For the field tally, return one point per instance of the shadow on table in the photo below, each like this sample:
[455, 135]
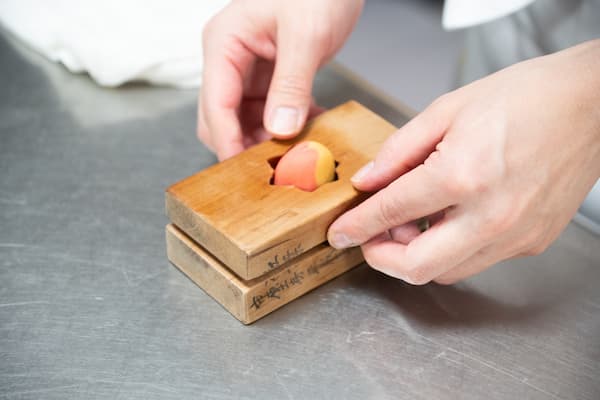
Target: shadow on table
[439, 305]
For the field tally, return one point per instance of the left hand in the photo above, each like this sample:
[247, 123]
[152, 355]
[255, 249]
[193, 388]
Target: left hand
[260, 60]
[500, 166]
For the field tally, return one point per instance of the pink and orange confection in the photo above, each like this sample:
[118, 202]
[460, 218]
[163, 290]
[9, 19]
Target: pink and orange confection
[307, 165]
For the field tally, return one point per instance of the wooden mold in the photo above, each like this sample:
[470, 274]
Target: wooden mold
[252, 226]
[254, 246]
[253, 299]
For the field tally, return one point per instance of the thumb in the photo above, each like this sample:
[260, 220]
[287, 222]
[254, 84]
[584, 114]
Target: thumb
[289, 97]
[407, 148]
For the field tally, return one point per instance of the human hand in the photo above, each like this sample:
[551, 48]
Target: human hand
[260, 59]
[500, 165]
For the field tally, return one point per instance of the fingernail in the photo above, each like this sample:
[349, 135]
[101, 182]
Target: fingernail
[340, 241]
[362, 173]
[284, 121]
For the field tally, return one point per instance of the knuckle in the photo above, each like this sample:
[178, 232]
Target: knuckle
[464, 176]
[417, 272]
[464, 182]
[535, 250]
[440, 101]
[210, 28]
[314, 31]
[319, 33]
[221, 19]
[443, 176]
[371, 259]
[441, 170]
[416, 276]
[500, 223]
[504, 216]
[388, 213]
[536, 244]
[292, 86]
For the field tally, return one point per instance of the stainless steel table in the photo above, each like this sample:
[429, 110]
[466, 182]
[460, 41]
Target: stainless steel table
[90, 307]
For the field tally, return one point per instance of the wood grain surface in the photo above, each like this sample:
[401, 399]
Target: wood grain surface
[253, 227]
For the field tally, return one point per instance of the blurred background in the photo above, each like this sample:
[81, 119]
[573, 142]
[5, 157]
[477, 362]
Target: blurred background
[401, 48]
[398, 45]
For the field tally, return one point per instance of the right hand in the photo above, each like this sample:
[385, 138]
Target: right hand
[260, 59]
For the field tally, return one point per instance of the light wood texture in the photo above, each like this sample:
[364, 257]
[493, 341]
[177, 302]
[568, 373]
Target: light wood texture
[251, 300]
[253, 227]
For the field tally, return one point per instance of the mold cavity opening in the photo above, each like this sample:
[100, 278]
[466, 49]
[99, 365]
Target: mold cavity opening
[273, 163]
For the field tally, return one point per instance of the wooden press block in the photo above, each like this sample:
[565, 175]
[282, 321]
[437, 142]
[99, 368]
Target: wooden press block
[253, 299]
[232, 210]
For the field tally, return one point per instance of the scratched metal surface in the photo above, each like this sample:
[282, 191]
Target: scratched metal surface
[90, 307]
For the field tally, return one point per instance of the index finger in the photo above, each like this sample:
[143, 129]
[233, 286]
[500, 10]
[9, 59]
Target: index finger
[418, 193]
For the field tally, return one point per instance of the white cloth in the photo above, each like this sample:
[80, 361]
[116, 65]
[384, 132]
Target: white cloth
[465, 13]
[115, 41]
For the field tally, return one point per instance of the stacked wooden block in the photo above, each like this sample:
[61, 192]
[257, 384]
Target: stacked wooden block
[254, 246]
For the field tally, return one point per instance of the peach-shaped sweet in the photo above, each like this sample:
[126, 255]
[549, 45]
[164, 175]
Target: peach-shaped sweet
[307, 165]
